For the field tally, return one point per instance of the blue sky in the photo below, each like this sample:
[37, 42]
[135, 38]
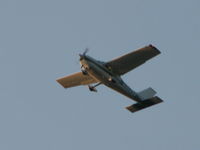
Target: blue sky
[40, 41]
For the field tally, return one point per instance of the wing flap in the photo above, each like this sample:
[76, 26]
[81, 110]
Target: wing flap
[75, 79]
[132, 60]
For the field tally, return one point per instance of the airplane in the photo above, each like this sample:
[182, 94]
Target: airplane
[109, 73]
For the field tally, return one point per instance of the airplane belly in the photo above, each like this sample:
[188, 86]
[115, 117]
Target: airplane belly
[98, 73]
[124, 90]
[115, 84]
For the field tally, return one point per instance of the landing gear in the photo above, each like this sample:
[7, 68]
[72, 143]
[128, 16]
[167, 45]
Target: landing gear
[84, 72]
[93, 88]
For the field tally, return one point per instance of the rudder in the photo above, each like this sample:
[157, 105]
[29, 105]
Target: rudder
[146, 93]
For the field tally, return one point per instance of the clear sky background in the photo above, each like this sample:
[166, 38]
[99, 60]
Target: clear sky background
[40, 41]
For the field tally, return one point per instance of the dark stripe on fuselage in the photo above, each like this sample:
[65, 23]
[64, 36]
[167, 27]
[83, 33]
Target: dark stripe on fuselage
[118, 84]
[100, 65]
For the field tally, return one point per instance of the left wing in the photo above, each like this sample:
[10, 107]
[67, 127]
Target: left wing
[132, 60]
[76, 79]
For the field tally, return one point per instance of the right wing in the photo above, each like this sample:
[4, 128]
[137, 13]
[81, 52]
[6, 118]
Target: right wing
[76, 79]
[132, 60]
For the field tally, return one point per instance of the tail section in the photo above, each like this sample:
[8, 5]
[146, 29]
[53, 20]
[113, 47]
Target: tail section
[146, 94]
[144, 104]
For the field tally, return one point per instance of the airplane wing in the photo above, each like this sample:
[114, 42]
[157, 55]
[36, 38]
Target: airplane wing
[132, 60]
[76, 79]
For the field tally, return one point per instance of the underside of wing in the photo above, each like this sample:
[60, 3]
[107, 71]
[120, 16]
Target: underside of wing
[76, 79]
[132, 60]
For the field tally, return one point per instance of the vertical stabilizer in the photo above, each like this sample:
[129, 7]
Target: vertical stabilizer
[147, 93]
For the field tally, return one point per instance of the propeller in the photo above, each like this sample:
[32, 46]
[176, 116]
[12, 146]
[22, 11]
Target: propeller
[86, 50]
[84, 54]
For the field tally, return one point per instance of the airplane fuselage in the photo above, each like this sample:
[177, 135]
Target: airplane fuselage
[94, 72]
[103, 74]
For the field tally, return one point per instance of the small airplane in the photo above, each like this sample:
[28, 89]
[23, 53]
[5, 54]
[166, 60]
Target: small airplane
[109, 74]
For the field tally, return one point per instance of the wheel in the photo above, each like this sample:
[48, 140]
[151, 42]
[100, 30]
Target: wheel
[84, 72]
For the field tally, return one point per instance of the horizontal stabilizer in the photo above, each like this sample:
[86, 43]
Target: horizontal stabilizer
[146, 103]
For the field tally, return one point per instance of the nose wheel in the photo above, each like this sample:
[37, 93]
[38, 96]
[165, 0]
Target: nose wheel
[84, 72]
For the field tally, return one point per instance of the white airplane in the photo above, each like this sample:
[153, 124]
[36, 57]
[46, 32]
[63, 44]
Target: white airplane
[109, 74]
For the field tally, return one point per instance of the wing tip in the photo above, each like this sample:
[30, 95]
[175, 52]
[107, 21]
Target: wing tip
[59, 81]
[153, 47]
